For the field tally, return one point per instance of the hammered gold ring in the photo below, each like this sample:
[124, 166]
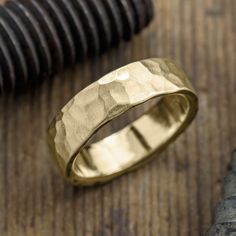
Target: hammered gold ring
[87, 163]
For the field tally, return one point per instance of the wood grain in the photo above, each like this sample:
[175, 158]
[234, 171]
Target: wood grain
[173, 195]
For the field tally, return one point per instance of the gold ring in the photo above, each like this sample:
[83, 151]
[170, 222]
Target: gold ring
[109, 97]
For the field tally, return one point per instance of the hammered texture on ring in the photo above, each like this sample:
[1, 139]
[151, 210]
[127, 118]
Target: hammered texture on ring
[108, 98]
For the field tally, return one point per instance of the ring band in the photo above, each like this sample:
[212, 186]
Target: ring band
[108, 98]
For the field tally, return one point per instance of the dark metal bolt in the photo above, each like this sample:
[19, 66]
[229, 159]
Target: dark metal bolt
[41, 38]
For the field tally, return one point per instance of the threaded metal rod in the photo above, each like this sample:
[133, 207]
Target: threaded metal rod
[40, 38]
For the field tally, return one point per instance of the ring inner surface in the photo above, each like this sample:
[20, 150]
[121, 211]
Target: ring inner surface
[132, 144]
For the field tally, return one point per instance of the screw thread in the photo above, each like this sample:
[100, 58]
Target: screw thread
[40, 38]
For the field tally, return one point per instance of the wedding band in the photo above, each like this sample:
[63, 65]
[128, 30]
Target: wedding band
[108, 98]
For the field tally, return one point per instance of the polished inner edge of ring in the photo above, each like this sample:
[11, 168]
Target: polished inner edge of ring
[132, 144]
[123, 120]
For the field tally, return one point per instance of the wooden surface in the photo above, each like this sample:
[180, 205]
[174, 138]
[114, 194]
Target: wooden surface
[176, 193]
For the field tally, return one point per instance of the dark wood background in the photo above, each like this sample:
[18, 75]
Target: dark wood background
[177, 192]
